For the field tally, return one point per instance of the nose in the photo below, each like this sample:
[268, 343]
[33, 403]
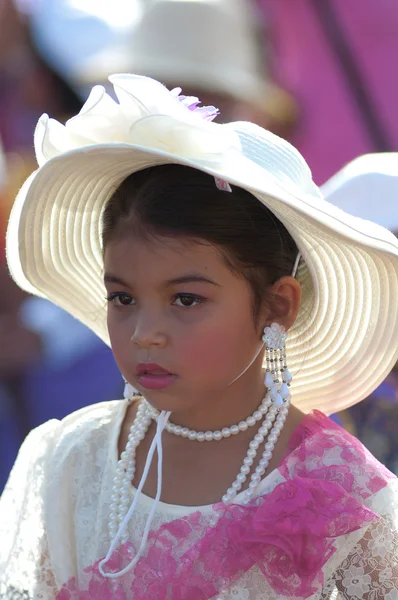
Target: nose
[147, 333]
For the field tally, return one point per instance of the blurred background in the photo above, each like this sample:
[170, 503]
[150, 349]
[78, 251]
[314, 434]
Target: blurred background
[321, 73]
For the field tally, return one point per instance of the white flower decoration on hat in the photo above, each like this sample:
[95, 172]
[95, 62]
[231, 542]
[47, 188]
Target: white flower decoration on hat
[147, 114]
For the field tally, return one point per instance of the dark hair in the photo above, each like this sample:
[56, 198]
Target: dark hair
[174, 200]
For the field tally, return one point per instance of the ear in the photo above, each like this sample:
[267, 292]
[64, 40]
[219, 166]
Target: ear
[284, 304]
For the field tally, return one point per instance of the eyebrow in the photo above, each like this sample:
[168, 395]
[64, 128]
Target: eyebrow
[108, 278]
[190, 278]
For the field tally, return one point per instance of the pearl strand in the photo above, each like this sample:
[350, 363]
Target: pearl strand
[278, 415]
[268, 451]
[209, 436]
[125, 471]
[251, 454]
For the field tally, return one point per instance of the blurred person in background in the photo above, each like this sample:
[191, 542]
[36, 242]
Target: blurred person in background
[9, 439]
[19, 347]
[40, 370]
[368, 188]
[208, 47]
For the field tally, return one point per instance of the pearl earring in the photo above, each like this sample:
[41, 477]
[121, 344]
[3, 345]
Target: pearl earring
[129, 390]
[277, 375]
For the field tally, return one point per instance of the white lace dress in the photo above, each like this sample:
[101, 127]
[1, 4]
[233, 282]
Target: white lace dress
[324, 525]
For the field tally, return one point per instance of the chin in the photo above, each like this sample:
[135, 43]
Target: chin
[164, 400]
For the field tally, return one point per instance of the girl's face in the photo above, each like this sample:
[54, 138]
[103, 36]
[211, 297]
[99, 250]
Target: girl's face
[180, 321]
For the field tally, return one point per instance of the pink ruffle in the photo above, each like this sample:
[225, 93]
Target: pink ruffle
[289, 533]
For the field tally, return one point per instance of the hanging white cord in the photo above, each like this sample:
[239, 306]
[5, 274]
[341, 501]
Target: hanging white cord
[294, 272]
[296, 264]
[249, 365]
[156, 444]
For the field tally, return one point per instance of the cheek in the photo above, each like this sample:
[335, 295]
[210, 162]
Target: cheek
[120, 337]
[220, 349]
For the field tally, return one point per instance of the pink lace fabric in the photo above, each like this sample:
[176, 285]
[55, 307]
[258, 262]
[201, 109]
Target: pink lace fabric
[289, 534]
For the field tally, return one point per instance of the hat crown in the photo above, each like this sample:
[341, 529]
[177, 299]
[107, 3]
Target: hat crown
[278, 157]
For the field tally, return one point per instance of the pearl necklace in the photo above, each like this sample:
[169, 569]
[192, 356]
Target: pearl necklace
[209, 436]
[120, 499]
[126, 470]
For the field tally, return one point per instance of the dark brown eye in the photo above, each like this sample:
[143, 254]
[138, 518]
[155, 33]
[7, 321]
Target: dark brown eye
[121, 299]
[187, 300]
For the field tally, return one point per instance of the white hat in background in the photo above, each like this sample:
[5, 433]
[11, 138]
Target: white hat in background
[344, 341]
[367, 188]
[207, 44]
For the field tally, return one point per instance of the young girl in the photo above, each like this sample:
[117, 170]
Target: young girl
[231, 288]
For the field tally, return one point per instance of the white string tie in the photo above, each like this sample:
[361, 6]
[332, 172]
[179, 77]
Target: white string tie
[156, 445]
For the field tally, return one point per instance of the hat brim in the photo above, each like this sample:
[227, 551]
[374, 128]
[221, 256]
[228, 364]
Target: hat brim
[343, 343]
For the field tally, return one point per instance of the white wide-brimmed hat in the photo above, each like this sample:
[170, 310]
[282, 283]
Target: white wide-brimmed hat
[367, 187]
[344, 341]
[210, 45]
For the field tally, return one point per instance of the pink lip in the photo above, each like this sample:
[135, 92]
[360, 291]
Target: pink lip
[151, 368]
[154, 377]
[156, 382]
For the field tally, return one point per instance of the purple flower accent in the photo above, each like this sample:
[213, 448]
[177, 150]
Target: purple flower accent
[192, 103]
